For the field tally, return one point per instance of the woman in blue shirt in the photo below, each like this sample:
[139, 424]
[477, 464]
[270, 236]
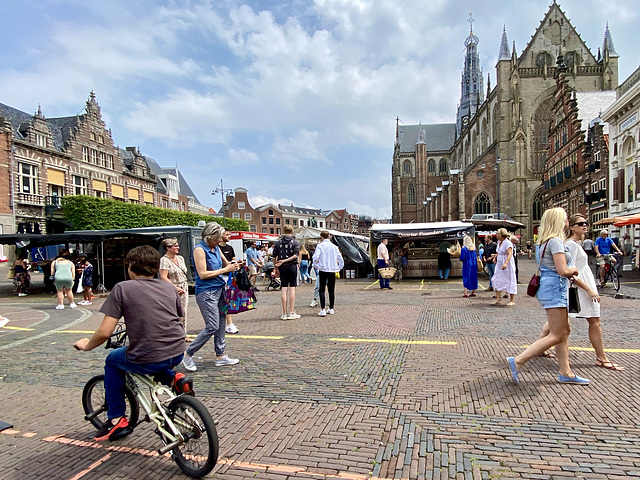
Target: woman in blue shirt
[210, 265]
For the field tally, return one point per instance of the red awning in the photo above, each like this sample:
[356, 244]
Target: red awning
[627, 220]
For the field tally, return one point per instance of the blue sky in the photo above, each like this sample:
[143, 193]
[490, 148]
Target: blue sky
[295, 101]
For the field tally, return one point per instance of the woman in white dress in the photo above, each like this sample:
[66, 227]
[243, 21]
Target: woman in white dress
[504, 277]
[587, 292]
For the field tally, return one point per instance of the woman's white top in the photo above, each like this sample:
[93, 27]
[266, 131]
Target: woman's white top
[580, 260]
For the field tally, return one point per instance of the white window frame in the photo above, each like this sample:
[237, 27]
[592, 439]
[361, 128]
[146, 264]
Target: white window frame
[28, 182]
[80, 185]
[236, 216]
[241, 205]
[247, 216]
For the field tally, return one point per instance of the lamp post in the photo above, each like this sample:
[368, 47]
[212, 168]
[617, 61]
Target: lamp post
[222, 191]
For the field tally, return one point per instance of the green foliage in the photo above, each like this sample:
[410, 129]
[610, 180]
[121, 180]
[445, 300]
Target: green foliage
[92, 213]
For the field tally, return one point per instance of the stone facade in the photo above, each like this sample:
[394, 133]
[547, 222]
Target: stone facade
[496, 161]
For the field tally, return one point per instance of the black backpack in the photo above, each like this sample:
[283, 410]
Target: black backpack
[242, 280]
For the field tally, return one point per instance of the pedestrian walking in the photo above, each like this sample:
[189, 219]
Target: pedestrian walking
[489, 255]
[588, 245]
[554, 259]
[174, 270]
[469, 259]
[22, 279]
[304, 265]
[210, 268]
[383, 262]
[396, 258]
[64, 272]
[254, 265]
[229, 253]
[86, 279]
[504, 277]
[328, 260]
[587, 292]
[286, 252]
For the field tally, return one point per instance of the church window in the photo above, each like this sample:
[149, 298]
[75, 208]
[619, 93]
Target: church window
[431, 166]
[536, 209]
[544, 58]
[411, 193]
[541, 121]
[443, 166]
[482, 205]
[406, 168]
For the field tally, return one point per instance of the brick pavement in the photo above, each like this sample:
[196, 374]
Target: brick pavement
[409, 383]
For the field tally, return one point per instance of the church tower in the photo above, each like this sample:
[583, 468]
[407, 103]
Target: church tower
[472, 83]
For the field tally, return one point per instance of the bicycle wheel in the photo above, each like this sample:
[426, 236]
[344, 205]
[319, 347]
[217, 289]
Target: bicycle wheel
[94, 401]
[615, 279]
[597, 275]
[199, 454]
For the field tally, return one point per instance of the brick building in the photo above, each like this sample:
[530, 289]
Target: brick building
[492, 159]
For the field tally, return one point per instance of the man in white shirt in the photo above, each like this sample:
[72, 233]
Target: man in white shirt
[383, 262]
[328, 260]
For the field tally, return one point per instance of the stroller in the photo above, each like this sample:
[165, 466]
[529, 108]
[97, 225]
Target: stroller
[269, 272]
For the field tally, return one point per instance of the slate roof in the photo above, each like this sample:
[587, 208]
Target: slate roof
[439, 137]
[184, 187]
[61, 129]
[300, 210]
[591, 105]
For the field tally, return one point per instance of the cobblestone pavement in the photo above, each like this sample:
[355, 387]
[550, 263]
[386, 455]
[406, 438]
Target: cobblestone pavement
[402, 384]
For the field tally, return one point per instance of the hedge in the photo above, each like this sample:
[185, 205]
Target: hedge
[84, 212]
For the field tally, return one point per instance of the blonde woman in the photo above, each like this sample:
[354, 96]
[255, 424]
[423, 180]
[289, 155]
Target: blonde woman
[587, 291]
[304, 265]
[174, 271]
[469, 259]
[504, 277]
[554, 258]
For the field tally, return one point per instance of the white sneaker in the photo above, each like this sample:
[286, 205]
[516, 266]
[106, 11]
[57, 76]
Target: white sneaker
[89, 303]
[314, 302]
[72, 305]
[331, 312]
[232, 329]
[284, 316]
[188, 363]
[225, 360]
[3, 322]
[22, 294]
[322, 313]
[59, 307]
[293, 316]
[84, 302]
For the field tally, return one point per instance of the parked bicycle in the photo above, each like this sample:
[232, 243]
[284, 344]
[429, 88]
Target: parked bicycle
[183, 423]
[610, 273]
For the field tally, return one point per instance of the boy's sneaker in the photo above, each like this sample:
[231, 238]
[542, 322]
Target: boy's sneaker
[188, 363]
[183, 384]
[59, 307]
[314, 302]
[322, 313]
[225, 361]
[109, 429]
[331, 312]
[72, 305]
[232, 329]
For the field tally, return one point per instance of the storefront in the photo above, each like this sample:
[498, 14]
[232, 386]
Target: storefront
[424, 242]
[240, 241]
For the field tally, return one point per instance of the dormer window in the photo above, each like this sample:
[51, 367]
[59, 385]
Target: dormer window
[93, 136]
[41, 140]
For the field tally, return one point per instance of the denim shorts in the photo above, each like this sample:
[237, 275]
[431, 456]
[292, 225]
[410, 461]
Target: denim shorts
[553, 290]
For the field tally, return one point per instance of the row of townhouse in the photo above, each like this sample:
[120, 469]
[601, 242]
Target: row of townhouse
[44, 159]
[271, 218]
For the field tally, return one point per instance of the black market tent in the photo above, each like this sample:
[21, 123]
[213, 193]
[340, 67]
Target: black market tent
[406, 232]
[493, 224]
[352, 246]
[186, 235]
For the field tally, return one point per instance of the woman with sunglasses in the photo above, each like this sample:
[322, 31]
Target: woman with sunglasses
[587, 292]
[174, 271]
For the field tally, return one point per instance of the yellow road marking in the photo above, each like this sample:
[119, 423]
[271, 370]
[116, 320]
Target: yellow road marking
[404, 342]
[19, 328]
[264, 337]
[612, 350]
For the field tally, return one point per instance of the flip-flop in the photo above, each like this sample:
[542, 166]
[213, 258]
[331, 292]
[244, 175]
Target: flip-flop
[609, 365]
[547, 355]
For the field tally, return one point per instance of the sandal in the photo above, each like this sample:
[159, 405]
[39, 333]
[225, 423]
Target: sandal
[547, 354]
[609, 365]
[465, 295]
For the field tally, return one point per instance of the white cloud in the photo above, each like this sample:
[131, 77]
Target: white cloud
[241, 156]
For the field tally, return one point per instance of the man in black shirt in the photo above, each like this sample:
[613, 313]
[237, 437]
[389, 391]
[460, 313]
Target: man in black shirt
[490, 254]
[227, 250]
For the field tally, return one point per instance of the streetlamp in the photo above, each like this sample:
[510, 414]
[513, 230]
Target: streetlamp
[223, 192]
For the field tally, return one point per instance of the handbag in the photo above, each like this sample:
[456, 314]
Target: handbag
[455, 250]
[574, 300]
[534, 283]
[242, 280]
[480, 264]
[387, 272]
[11, 273]
[237, 300]
[80, 288]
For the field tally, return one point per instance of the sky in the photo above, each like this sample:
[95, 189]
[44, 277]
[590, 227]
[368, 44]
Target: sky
[296, 101]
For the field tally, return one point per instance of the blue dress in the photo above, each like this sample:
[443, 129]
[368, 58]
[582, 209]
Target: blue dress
[469, 259]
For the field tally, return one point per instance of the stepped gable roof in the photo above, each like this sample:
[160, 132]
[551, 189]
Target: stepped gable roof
[439, 137]
[154, 168]
[591, 105]
[554, 13]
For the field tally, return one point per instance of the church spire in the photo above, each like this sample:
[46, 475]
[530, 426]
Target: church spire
[607, 44]
[504, 53]
[472, 83]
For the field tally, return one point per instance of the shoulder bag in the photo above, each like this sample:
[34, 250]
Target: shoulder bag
[574, 300]
[534, 283]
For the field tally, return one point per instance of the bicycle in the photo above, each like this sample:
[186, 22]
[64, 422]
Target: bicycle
[183, 423]
[610, 274]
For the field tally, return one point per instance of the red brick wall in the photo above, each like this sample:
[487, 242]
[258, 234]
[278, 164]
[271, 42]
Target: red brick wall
[5, 166]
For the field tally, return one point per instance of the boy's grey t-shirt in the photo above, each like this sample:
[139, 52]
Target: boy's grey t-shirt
[151, 309]
[554, 245]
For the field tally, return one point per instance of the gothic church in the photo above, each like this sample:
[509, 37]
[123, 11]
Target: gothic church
[492, 159]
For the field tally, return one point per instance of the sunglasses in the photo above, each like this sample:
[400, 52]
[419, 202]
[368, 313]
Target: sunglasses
[174, 245]
[581, 224]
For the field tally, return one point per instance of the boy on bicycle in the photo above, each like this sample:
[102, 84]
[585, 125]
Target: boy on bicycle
[151, 309]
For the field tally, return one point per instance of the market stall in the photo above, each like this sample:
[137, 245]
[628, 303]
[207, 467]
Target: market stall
[425, 242]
